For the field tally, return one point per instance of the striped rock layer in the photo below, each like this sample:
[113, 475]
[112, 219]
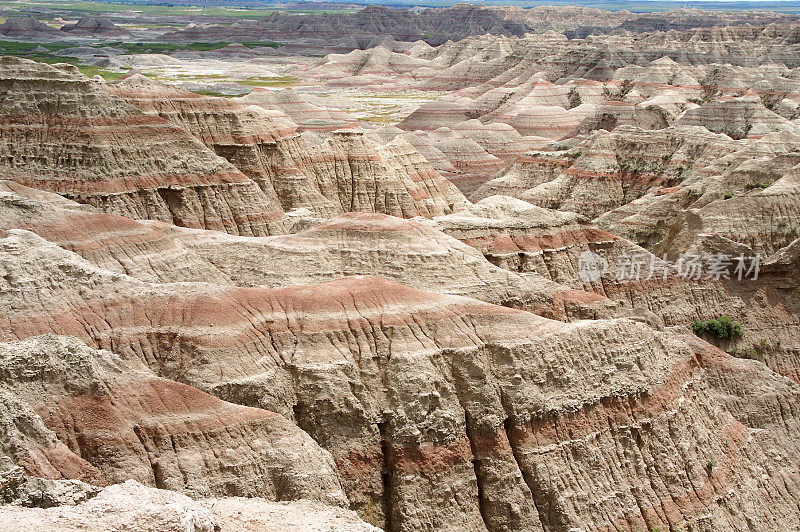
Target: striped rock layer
[451, 412]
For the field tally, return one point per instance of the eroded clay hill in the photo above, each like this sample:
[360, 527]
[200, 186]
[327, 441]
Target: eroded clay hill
[64, 132]
[440, 399]
[261, 312]
[193, 161]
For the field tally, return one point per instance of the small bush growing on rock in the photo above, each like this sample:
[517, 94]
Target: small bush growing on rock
[748, 354]
[723, 328]
[771, 99]
[574, 98]
[372, 514]
[758, 350]
[625, 88]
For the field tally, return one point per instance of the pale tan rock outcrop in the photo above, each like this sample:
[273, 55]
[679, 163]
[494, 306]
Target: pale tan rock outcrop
[130, 506]
[351, 244]
[435, 364]
[609, 169]
[744, 117]
[308, 116]
[521, 237]
[500, 140]
[98, 418]
[133, 506]
[148, 252]
[747, 193]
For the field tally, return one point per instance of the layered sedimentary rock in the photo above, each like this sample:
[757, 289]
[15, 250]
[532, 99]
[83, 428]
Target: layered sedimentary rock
[73, 412]
[474, 165]
[94, 26]
[609, 169]
[76, 139]
[523, 238]
[746, 193]
[351, 244]
[738, 118]
[433, 364]
[345, 173]
[25, 27]
[446, 400]
[110, 241]
[365, 28]
[376, 25]
[308, 116]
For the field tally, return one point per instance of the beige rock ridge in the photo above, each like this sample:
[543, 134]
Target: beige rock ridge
[345, 173]
[281, 311]
[78, 140]
[746, 193]
[308, 116]
[74, 412]
[524, 238]
[109, 241]
[351, 244]
[738, 118]
[451, 412]
[284, 171]
[546, 85]
[609, 169]
[543, 246]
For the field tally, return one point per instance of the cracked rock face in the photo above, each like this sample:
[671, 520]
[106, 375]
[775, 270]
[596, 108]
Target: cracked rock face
[91, 416]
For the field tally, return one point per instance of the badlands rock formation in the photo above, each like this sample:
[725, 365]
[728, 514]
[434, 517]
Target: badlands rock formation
[366, 28]
[345, 173]
[94, 26]
[407, 426]
[265, 312]
[59, 127]
[25, 27]
[195, 186]
[377, 25]
[91, 416]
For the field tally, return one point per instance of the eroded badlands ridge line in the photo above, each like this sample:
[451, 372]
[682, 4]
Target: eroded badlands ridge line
[439, 405]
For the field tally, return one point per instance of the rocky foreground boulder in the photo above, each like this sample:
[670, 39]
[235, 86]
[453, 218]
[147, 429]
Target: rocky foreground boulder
[134, 506]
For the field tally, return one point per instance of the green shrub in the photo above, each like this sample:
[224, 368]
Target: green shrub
[723, 328]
